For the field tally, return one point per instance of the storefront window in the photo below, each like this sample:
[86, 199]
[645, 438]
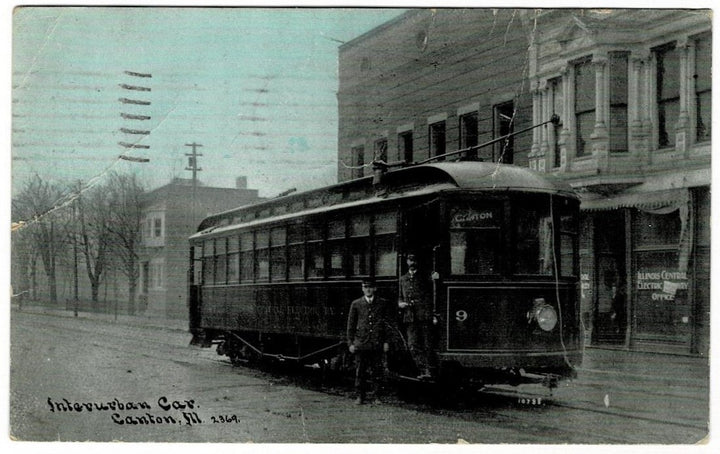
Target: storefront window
[662, 310]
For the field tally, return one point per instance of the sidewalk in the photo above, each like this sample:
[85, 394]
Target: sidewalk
[131, 320]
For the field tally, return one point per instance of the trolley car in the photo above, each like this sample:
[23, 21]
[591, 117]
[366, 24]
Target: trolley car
[275, 279]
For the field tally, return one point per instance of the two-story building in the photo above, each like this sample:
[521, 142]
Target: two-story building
[632, 89]
[170, 214]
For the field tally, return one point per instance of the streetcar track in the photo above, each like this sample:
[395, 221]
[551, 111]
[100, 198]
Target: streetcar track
[498, 416]
[623, 415]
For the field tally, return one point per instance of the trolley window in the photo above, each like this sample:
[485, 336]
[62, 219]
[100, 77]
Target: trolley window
[315, 256]
[208, 262]
[262, 259]
[533, 239]
[568, 241]
[296, 252]
[197, 264]
[475, 238]
[246, 257]
[385, 246]
[221, 261]
[360, 244]
[233, 262]
[336, 246]
[278, 259]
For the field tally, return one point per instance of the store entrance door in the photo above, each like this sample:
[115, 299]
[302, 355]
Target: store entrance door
[610, 305]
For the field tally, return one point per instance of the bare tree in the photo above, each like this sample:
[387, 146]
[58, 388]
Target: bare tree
[94, 236]
[123, 192]
[35, 213]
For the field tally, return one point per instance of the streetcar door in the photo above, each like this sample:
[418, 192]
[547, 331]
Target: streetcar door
[194, 281]
[421, 233]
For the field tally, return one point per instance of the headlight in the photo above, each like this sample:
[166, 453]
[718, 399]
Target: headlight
[543, 314]
[546, 318]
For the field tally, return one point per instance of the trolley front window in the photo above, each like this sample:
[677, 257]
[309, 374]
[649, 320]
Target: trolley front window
[533, 239]
[475, 238]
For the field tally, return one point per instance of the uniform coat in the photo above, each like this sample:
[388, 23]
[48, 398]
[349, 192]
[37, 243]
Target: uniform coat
[368, 323]
[416, 290]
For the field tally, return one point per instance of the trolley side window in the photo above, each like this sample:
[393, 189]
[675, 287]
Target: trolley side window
[385, 244]
[336, 246]
[221, 260]
[262, 259]
[568, 240]
[360, 244]
[296, 252]
[475, 238]
[533, 239]
[315, 256]
[278, 251]
[247, 262]
[197, 264]
[208, 262]
[233, 262]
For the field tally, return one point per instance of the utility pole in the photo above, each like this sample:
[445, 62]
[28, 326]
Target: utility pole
[193, 166]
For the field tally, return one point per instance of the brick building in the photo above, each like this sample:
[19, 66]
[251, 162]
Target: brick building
[632, 89]
[169, 218]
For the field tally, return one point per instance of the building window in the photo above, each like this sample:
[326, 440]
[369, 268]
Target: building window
[469, 133]
[503, 115]
[662, 308]
[703, 87]
[405, 146]
[157, 270]
[380, 150]
[358, 161]
[618, 66]
[668, 93]
[157, 227]
[584, 106]
[152, 228]
[437, 139]
[556, 91]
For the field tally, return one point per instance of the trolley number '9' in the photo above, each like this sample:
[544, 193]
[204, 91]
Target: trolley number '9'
[461, 315]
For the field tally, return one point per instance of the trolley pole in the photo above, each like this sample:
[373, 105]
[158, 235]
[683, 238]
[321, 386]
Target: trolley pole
[193, 166]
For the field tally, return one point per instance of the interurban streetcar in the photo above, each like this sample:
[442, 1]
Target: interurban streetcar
[275, 279]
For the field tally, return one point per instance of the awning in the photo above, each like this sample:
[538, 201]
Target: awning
[639, 199]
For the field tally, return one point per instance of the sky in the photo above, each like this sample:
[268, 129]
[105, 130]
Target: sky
[256, 87]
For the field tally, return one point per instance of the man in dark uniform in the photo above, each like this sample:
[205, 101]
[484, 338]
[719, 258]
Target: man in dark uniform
[367, 331]
[415, 300]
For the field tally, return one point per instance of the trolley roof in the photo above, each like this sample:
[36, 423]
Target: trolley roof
[400, 183]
